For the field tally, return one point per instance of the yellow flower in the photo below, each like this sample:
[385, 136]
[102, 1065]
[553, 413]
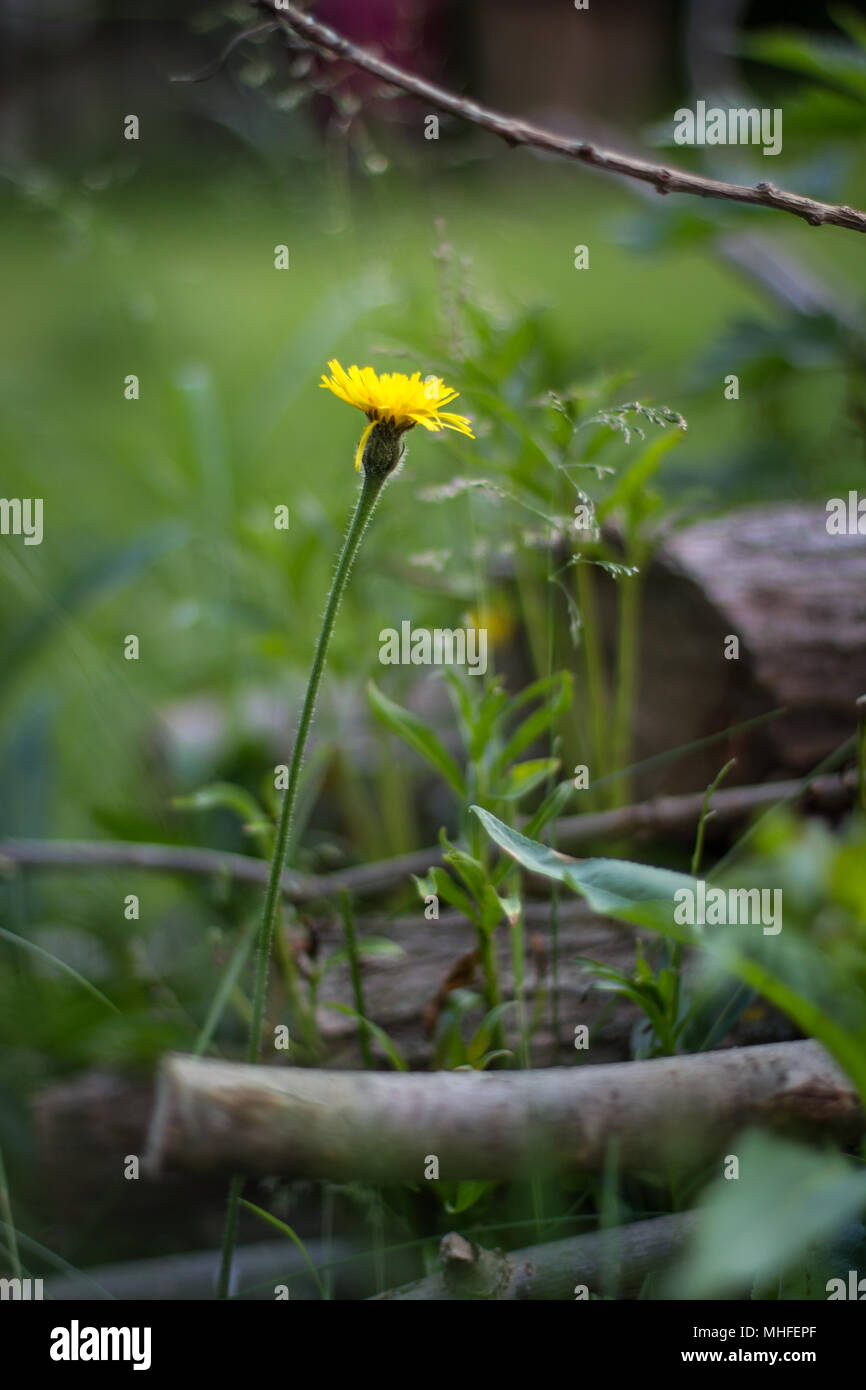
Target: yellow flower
[396, 400]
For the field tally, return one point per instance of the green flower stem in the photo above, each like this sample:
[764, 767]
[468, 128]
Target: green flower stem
[367, 498]
[594, 668]
[492, 992]
[626, 686]
[357, 985]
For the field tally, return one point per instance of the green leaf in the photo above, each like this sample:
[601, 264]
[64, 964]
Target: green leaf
[465, 710]
[609, 885]
[440, 883]
[493, 908]
[550, 809]
[522, 778]
[638, 473]
[484, 1033]
[293, 1236]
[785, 1197]
[494, 701]
[229, 979]
[853, 24]
[229, 797]
[380, 947]
[799, 979]
[389, 1048]
[468, 1193]
[471, 870]
[98, 578]
[60, 964]
[416, 733]
[493, 1057]
[827, 60]
[560, 692]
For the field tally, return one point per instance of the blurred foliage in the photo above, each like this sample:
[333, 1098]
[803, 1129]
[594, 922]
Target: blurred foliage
[159, 516]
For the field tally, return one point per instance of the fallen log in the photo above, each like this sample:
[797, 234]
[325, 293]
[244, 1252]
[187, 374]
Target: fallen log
[613, 1263]
[387, 1127]
[792, 594]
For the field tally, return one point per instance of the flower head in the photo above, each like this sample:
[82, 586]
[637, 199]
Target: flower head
[396, 401]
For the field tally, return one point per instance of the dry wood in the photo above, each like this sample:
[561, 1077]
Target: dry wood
[792, 594]
[383, 1127]
[398, 993]
[617, 1261]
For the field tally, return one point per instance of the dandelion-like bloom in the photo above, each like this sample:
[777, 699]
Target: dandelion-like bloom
[397, 403]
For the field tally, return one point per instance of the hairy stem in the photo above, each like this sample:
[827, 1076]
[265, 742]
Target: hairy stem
[367, 498]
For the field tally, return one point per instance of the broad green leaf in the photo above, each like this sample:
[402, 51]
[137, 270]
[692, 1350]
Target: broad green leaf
[799, 978]
[786, 1196]
[608, 884]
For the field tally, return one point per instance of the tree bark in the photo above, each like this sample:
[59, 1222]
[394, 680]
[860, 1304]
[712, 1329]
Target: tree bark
[387, 1127]
[612, 1262]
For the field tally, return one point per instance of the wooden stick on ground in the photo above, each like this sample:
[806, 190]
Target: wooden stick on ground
[618, 1260]
[384, 1127]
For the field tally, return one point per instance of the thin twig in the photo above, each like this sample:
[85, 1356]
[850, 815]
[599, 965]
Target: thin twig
[647, 817]
[516, 132]
[206, 73]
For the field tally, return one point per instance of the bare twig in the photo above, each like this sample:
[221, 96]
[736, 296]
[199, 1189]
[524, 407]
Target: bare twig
[623, 1256]
[384, 1127]
[665, 813]
[516, 132]
[206, 73]
[648, 817]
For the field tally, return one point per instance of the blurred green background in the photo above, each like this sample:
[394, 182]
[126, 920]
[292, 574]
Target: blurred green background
[156, 258]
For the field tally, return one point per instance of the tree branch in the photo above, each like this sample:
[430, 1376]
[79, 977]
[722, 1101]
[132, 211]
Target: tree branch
[383, 1127]
[516, 132]
[648, 817]
[624, 1256]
